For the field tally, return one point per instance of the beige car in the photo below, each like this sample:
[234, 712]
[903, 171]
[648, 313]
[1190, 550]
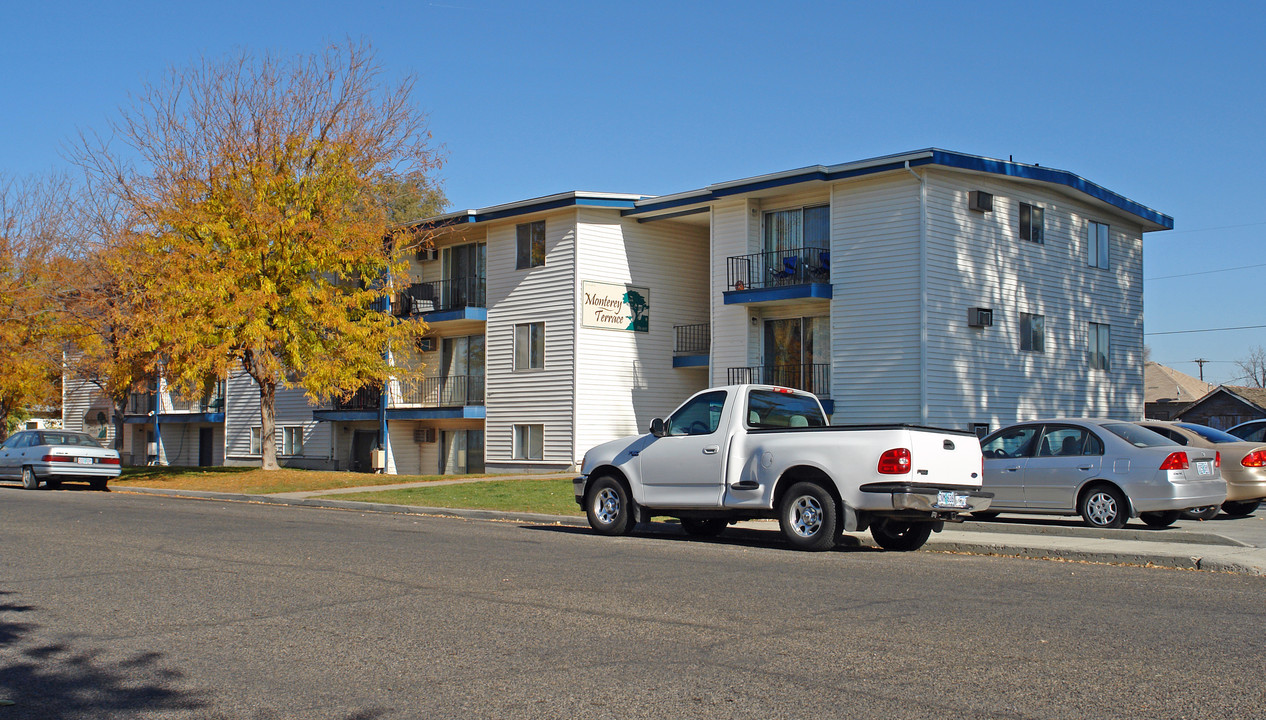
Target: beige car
[1243, 465]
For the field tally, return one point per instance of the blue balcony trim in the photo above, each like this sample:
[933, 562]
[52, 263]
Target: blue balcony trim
[828, 405]
[690, 361]
[345, 415]
[469, 412]
[466, 313]
[173, 418]
[789, 292]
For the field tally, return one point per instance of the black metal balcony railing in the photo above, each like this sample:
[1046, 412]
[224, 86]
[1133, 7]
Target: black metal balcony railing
[441, 296]
[140, 403]
[366, 398]
[450, 391]
[811, 377]
[798, 266]
[692, 339]
[146, 403]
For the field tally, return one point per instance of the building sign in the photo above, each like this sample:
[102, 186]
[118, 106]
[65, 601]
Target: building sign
[615, 307]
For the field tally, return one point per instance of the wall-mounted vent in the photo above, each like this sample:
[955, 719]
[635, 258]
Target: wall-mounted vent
[426, 344]
[423, 434]
[979, 317]
[428, 254]
[980, 201]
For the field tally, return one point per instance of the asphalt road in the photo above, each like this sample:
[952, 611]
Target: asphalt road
[127, 606]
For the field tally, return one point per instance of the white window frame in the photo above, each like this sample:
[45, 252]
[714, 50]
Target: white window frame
[257, 442]
[525, 336]
[289, 435]
[1039, 336]
[524, 436]
[1098, 244]
[1099, 346]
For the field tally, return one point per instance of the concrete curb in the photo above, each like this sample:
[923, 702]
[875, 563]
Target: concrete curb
[1143, 548]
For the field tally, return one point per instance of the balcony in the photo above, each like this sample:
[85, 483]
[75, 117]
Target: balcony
[782, 275]
[175, 408]
[441, 300]
[437, 392]
[812, 377]
[366, 398]
[691, 345]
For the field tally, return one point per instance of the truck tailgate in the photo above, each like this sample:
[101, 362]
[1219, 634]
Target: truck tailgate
[945, 458]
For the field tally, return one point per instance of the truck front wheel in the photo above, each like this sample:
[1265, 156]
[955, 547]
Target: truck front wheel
[900, 536]
[608, 507]
[808, 517]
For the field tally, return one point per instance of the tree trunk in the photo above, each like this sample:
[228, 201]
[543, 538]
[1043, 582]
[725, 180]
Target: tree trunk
[268, 424]
[116, 420]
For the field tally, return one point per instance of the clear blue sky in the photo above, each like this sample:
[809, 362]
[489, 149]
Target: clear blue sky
[1160, 101]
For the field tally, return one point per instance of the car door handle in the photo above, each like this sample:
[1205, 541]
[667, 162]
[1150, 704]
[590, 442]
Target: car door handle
[711, 449]
[1086, 467]
[635, 453]
[1013, 469]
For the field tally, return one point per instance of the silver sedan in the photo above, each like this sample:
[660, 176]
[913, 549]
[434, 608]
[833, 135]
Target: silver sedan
[51, 456]
[1107, 471]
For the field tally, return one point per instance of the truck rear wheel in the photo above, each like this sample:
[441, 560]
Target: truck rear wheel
[609, 507]
[808, 517]
[900, 536]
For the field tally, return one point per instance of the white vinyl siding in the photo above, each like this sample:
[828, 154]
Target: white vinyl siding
[875, 328]
[978, 260]
[624, 379]
[735, 231]
[241, 413]
[543, 294]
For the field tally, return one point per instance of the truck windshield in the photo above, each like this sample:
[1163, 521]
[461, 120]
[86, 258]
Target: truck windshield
[769, 409]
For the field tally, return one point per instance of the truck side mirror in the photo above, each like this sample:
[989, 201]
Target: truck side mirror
[657, 428]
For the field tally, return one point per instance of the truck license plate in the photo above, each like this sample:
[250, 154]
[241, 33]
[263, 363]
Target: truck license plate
[1202, 468]
[950, 499]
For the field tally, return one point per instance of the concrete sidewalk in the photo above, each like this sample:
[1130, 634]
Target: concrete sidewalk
[1188, 545]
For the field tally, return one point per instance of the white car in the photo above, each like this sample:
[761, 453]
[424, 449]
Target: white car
[51, 456]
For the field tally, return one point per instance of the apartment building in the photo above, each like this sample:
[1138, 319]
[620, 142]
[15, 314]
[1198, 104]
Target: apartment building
[929, 287]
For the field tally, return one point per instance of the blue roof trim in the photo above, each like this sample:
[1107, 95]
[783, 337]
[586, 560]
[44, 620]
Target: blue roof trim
[469, 412]
[1056, 177]
[345, 415]
[788, 292]
[175, 418]
[466, 313]
[687, 361]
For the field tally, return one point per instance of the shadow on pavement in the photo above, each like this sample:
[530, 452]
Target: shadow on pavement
[735, 536]
[63, 681]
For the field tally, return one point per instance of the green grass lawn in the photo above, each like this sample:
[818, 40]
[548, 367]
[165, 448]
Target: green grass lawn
[549, 497]
[253, 481]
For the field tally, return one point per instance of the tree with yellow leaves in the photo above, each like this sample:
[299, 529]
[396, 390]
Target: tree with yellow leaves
[262, 191]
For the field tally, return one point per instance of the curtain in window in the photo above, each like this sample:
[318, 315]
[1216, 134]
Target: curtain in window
[782, 230]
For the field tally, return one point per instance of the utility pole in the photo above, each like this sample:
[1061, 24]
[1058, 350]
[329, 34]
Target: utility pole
[1201, 363]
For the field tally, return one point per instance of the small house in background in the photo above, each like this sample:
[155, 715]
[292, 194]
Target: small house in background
[1226, 406]
[1166, 392]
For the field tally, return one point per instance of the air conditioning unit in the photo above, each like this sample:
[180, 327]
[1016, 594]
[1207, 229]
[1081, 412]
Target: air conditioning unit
[979, 317]
[426, 344]
[378, 459]
[424, 435]
[980, 201]
[428, 254]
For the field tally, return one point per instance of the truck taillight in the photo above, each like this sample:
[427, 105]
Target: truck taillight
[1257, 458]
[895, 462]
[1175, 461]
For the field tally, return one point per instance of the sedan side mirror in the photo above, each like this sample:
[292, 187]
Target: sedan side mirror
[658, 429]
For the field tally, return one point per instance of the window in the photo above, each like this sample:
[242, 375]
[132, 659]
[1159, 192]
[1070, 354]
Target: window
[1032, 226]
[1066, 441]
[1097, 244]
[1032, 332]
[797, 353]
[800, 228]
[257, 447]
[529, 346]
[292, 441]
[769, 409]
[700, 416]
[1100, 347]
[529, 442]
[531, 244]
[1010, 443]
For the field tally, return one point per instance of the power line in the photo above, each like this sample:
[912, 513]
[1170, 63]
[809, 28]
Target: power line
[1220, 227]
[1206, 272]
[1184, 332]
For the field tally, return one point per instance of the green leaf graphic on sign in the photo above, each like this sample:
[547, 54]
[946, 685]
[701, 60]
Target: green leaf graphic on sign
[641, 320]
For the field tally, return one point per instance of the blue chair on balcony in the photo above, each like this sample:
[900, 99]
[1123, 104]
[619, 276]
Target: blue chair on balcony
[789, 266]
[823, 269]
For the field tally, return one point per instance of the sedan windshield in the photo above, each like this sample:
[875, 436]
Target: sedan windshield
[1211, 434]
[1138, 436]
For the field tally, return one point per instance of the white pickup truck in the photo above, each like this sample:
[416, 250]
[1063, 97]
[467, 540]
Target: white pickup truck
[757, 451]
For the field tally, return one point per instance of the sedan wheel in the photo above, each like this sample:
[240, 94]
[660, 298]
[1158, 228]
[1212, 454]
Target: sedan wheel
[1207, 512]
[1240, 509]
[29, 481]
[1104, 507]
